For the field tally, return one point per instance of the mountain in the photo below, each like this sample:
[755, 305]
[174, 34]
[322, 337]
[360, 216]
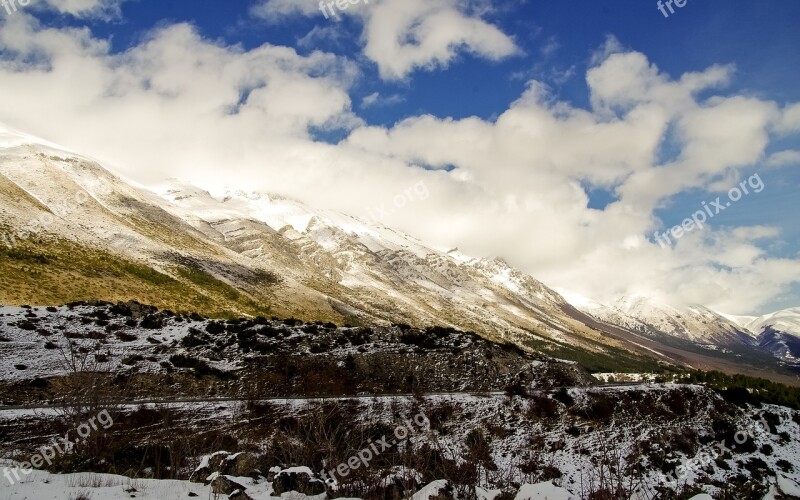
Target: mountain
[73, 231]
[697, 329]
[779, 333]
[694, 323]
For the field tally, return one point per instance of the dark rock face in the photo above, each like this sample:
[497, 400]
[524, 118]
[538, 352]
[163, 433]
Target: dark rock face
[225, 485]
[299, 481]
[781, 344]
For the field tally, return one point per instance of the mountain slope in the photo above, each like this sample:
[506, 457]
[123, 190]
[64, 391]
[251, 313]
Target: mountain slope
[73, 231]
[779, 333]
[694, 323]
[372, 269]
[91, 235]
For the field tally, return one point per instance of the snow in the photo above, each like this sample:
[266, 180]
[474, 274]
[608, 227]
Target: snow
[742, 321]
[41, 485]
[483, 494]
[625, 377]
[544, 491]
[786, 321]
[788, 487]
[431, 490]
[206, 460]
[44, 486]
[11, 138]
[580, 302]
[297, 470]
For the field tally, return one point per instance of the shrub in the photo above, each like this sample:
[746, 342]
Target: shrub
[26, 325]
[215, 327]
[125, 337]
[200, 367]
[152, 322]
[132, 359]
[195, 339]
[562, 395]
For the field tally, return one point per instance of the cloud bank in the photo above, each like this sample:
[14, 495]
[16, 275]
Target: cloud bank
[179, 105]
[401, 36]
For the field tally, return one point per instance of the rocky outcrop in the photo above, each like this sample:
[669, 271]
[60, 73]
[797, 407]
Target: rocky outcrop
[299, 479]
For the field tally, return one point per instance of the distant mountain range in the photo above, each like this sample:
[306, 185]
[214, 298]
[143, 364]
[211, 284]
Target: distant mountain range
[74, 231]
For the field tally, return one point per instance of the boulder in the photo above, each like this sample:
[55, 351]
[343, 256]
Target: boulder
[299, 479]
[240, 465]
[208, 465]
[223, 484]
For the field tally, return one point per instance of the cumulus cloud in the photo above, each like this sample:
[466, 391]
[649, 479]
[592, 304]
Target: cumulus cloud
[179, 105]
[84, 9]
[401, 36]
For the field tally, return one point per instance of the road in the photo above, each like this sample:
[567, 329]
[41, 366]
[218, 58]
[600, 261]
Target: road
[179, 401]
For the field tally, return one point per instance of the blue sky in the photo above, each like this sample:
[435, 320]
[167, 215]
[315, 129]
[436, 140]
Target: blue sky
[486, 74]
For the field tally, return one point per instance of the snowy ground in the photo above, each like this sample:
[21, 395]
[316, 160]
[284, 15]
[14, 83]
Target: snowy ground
[44, 486]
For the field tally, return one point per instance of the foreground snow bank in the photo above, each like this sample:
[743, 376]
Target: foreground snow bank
[42, 485]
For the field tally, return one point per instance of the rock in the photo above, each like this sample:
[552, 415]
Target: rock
[273, 471]
[239, 495]
[208, 465]
[299, 479]
[240, 465]
[401, 482]
[223, 484]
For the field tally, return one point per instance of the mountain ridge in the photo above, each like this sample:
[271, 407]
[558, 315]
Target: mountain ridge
[259, 254]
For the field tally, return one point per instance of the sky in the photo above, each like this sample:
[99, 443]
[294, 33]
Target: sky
[568, 137]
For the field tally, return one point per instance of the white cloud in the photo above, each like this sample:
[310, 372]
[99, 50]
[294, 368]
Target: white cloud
[178, 105]
[790, 121]
[274, 10]
[97, 9]
[401, 36]
[783, 158]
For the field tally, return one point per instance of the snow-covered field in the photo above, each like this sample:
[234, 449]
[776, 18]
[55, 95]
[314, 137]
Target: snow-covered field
[44, 486]
[575, 448]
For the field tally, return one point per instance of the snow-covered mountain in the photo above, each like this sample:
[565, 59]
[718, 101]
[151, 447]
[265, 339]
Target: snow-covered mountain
[368, 266]
[779, 333]
[180, 247]
[695, 323]
[75, 231]
[787, 320]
